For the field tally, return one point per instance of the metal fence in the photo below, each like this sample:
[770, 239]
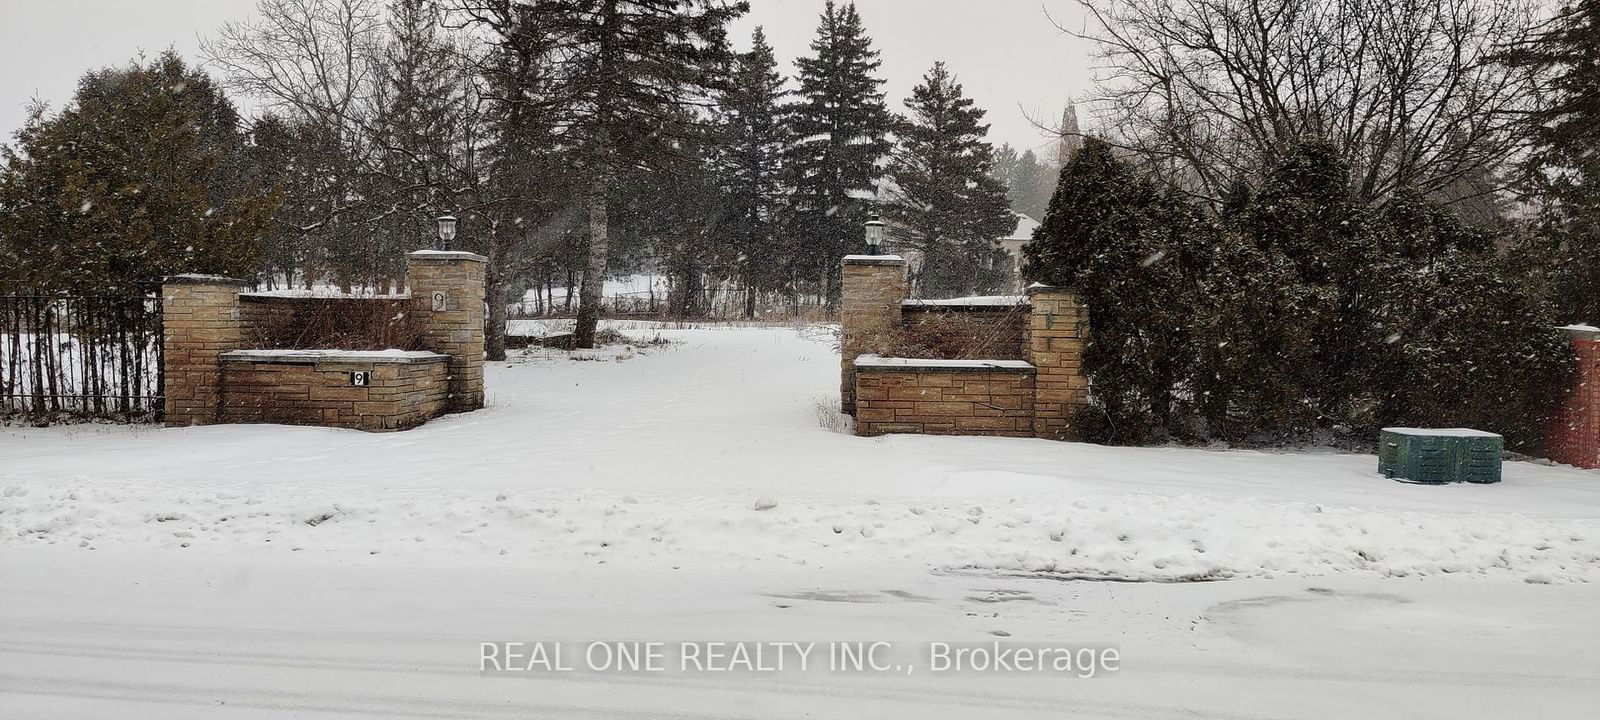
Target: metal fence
[84, 356]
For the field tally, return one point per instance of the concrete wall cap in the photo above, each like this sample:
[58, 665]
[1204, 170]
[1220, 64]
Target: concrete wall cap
[870, 361]
[1582, 332]
[874, 260]
[202, 279]
[397, 357]
[444, 255]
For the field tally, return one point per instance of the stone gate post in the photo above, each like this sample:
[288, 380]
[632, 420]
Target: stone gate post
[1058, 327]
[447, 292]
[871, 290]
[200, 321]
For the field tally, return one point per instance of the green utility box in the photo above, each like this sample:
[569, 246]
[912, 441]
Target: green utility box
[1440, 455]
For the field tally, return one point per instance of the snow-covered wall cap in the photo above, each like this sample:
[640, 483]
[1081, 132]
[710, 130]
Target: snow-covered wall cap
[446, 255]
[319, 294]
[870, 361]
[1582, 332]
[1040, 287]
[1440, 432]
[202, 279]
[874, 260]
[985, 301]
[400, 357]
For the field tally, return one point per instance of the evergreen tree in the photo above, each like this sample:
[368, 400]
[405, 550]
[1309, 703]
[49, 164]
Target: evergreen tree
[943, 200]
[841, 125]
[140, 176]
[1029, 184]
[1562, 257]
[1462, 345]
[754, 138]
[630, 76]
[1132, 253]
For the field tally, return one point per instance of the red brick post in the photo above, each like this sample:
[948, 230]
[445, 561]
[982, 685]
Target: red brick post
[1058, 327]
[447, 291]
[200, 317]
[1574, 436]
[871, 290]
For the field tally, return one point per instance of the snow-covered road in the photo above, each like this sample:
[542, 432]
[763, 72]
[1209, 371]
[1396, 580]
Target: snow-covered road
[691, 493]
[155, 634]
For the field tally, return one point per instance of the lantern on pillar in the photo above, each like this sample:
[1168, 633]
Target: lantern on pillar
[874, 232]
[447, 231]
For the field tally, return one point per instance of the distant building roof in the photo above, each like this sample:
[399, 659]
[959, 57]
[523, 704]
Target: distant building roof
[1024, 229]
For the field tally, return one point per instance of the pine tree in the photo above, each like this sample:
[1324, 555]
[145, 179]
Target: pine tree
[140, 176]
[631, 76]
[1563, 173]
[842, 125]
[1132, 253]
[944, 202]
[1463, 345]
[754, 138]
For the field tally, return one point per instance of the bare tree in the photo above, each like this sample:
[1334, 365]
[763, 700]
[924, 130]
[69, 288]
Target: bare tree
[1211, 91]
[305, 58]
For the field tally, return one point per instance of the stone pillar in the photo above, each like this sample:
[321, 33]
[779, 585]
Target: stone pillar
[447, 290]
[1058, 327]
[872, 288]
[1574, 436]
[200, 318]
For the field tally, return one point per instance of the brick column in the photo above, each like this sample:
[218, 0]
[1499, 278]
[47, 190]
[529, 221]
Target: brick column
[447, 290]
[200, 317]
[1574, 435]
[872, 288]
[1058, 326]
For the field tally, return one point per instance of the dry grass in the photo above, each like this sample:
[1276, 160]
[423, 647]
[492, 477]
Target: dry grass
[831, 417]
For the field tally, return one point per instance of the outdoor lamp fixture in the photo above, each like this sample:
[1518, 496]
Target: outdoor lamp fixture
[447, 231]
[874, 228]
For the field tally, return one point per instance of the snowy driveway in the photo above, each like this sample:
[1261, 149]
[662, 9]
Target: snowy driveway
[691, 492]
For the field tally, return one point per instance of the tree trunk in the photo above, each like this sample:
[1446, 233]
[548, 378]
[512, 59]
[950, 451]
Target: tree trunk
[594, 272]
[494, 289]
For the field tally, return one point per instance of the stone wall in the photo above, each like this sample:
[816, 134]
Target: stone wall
[200, 322]
[871, 292]
[1058, 327]
[206, 317]
[1574, 436]
[447, 291]
[1034, 366]
[316, 388]
[895, 395]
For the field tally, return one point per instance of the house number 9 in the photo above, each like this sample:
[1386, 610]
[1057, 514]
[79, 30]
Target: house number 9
[438, 301]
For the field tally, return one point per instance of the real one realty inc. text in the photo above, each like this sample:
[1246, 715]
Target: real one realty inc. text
[867, 657]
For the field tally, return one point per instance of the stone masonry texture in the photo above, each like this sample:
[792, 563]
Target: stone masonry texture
[1048, 333]
[201, 321]
[204, 318]
[944, 401]
[1057, 330]
[457, 328]
[399, 395]
[870, 296]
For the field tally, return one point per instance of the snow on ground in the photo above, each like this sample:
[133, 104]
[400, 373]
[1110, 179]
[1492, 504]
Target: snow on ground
[691, 491]
[709, 452]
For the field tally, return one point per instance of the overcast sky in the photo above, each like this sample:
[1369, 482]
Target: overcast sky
[1005, 52]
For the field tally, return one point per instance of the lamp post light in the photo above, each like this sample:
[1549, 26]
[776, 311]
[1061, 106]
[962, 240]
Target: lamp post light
[874, 233]
[447, 231]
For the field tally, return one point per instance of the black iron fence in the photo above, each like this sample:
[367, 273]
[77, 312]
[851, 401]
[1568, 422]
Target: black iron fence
[88, 356]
